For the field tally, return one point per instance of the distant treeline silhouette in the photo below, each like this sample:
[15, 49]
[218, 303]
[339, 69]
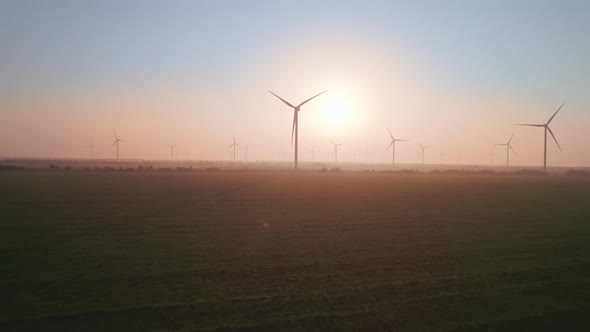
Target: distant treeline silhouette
[151, 168]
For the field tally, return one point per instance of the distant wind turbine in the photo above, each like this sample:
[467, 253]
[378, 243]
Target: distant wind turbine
[312, 154]
[171, 151]
[246, 157]
[508, 148]
[335, 151]
[117, 140]
[91, 146]
[423, 148]
[392, 146]
[546, 126]
[234, 144]
[295, 129]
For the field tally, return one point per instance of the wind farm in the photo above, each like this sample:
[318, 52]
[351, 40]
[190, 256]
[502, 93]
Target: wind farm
[149, 182]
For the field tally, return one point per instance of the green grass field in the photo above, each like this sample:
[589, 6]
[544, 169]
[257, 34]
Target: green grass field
[149, 251]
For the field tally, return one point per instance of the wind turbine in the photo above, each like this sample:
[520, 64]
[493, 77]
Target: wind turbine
[295, 129]
[546, 126]
[423, 148]
[508, 148]
[312, 154]
[117, 140]
[246, 153]
[392, 145]
[91, 146]
[171, 151]
[234, 144]
[335, 151]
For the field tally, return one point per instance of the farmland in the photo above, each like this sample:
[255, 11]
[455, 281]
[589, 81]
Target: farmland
[278, 250]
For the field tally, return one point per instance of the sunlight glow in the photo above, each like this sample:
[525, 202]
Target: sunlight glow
[337, 110]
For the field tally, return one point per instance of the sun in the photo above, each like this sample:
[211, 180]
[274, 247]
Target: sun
[337, 110]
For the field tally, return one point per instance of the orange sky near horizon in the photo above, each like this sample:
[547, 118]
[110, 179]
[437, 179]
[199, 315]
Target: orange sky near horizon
[372, 86]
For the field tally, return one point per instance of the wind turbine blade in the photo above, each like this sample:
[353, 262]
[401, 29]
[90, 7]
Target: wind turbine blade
[390, 144]
[510, 140]
[230, 146]
[401, 140]
[293, 129]
[511, 148]
[333, 142]
[422, 146]
[390, 133]
[555, 139]
[551, 119]
[502, 144]
[113, 144]
[284, 101]
[310, 99]
[528, 124]
[114, 133]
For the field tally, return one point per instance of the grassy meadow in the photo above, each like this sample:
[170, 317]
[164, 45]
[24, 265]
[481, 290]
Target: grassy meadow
[278, 250]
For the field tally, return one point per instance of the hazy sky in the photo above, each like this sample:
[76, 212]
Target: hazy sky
[452, 74]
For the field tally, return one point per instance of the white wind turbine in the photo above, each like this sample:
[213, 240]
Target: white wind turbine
[91, 147]
[234, 144]
[547, 129]
[423, 148]
[171, 151]
[392, 145]
[508, 148]
[295, 129]
[117, 140]
[312, 151]
[335, 151]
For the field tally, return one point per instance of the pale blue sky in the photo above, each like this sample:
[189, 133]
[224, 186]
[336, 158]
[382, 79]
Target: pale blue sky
[534, 52]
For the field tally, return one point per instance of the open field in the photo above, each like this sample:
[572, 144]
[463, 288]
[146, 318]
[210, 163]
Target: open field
[160, 251]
